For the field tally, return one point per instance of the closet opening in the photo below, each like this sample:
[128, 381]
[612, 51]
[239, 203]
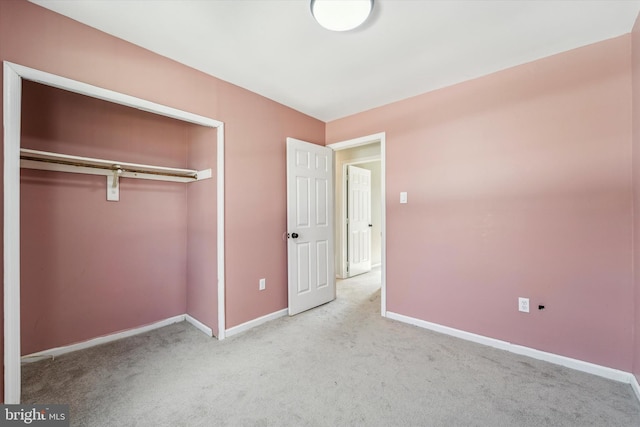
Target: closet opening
[81, 265]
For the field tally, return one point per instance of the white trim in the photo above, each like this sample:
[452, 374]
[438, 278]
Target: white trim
[365, 140]
[57, 351]
[579, 365]
[220, 214]
[199, 325]
[12, 103]
[635, 386]
[356, 142]
[109, 95]
[383, 215]
[360, 160]
[13, 75]
[257, 322]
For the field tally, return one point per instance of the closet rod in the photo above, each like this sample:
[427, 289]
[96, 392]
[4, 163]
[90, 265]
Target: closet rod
[112, 167]
[65, 160]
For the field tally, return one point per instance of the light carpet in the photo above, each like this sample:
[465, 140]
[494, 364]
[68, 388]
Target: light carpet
[340, 364]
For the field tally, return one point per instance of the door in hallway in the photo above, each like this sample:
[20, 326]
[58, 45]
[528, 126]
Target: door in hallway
[358, 220]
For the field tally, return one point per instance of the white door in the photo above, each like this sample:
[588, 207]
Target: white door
[358, 220]
[309, 225]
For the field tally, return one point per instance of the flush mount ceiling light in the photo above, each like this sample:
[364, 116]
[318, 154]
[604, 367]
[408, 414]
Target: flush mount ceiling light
[341, 15]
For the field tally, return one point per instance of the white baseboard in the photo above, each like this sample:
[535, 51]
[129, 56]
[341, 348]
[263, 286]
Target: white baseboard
[635, 385]
[579, 365]
[198, 324]
[52, 353]
[256, 322]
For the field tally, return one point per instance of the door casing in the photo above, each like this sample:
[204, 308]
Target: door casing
[366, 140]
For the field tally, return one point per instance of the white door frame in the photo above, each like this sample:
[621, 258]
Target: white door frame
[365, 140]
[12, 91]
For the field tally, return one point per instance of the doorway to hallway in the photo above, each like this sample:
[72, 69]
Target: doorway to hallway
[370, 152]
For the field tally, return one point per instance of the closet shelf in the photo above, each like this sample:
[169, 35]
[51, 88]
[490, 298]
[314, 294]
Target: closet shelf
[112, 169]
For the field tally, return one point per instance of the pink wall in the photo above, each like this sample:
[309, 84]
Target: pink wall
[635, 57]
[256, 200]
[255, 136]
[519, 185]
[92, 267]
[202, 251]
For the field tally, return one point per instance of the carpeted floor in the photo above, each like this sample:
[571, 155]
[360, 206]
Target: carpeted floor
[340, 364]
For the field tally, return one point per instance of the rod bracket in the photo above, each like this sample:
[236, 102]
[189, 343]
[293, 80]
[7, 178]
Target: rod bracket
[113, 184]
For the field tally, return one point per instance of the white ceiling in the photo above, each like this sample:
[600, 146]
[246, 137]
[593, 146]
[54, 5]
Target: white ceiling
[408, 47]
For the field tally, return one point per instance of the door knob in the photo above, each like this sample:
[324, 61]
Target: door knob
[294, 235]
[370, 225]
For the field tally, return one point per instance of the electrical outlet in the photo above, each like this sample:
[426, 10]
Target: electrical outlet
[523, 305]
[263, 285]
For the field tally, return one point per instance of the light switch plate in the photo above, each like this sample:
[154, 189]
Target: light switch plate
[403, 197]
